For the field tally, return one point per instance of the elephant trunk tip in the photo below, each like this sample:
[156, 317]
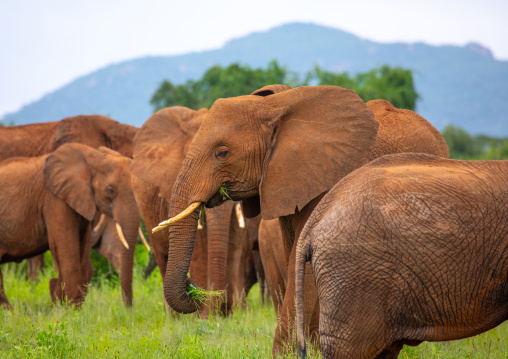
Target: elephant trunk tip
[184, 303]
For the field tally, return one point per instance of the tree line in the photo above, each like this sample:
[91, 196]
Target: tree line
[394, 84]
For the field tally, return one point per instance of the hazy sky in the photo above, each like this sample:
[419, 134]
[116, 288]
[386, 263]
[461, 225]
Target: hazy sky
[46, 44]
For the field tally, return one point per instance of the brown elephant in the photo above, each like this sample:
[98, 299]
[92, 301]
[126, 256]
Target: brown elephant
[49, 202]
[408, 248]
[271, 246]
[159, 150]
[280, 153]
[42, 138]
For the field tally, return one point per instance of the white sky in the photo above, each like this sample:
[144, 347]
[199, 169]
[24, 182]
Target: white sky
[45, 44]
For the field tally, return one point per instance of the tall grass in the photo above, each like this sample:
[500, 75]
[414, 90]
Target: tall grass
[104, 328]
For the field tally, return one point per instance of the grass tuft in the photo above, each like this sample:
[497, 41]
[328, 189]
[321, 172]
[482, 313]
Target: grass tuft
[200, 295]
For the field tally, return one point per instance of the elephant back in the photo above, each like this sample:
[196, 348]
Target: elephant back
[403, 130]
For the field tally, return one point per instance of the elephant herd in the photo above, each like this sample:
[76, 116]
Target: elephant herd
[368, 235]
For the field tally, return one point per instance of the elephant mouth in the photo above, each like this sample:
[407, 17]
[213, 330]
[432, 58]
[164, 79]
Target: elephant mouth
[216, 200]
[231, 195]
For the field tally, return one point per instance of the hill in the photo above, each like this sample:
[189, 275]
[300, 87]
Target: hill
[464, 86]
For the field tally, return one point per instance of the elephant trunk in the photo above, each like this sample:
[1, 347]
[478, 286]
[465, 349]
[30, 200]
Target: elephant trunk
[182, 236]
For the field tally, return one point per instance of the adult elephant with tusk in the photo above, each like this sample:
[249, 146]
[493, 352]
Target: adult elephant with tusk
[41, 138]
[279, 151]
[50, 203]
[159, 150]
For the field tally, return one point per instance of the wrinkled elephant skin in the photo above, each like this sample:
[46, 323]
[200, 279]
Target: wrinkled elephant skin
[279, 151]
[408, 248]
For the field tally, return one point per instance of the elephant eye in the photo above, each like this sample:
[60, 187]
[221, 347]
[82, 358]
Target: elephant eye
[110, 190]
[221, 153]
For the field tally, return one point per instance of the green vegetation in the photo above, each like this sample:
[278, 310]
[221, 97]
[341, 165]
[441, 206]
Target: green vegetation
[218, 82]
[464, 146]
[10, 123]
[104, 328]
[393, 84]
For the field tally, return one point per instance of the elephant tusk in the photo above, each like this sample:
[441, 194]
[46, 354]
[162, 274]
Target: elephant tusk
[178, 217]
[143, 239]
[122, 237]
[239, 215]
[98, 225]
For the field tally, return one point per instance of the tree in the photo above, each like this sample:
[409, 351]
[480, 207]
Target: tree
[460, 143]
[394, 84]
[218, 82]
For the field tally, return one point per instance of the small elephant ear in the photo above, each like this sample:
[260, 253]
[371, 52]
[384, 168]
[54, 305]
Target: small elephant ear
[325, 133]
[161, 145]
[68, 177]
[270, 90]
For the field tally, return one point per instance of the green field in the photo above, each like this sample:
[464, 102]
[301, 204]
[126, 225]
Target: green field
[104, 328]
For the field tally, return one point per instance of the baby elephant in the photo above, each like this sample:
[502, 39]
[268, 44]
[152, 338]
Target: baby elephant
[406, 249]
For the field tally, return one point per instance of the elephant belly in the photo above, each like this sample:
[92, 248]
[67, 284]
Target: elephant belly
[22, 244]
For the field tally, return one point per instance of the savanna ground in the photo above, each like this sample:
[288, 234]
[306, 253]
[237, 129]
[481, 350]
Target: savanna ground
[104, 328]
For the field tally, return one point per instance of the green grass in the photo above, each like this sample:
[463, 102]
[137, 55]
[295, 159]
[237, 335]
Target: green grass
[104, 328]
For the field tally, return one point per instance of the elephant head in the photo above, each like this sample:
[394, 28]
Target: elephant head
[96, 131]
[275, 150]
[160, 148]
[91, 180]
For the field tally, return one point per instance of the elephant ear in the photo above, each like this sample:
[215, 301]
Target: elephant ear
[270, 90]
[161, 145]
[68, 177]
[324, 133]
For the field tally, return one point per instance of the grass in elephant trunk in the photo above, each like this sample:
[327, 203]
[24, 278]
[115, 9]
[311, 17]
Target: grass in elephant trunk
[104, 328]
[200, 295]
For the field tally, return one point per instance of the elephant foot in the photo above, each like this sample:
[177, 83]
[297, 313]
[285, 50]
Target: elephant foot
[55, 289]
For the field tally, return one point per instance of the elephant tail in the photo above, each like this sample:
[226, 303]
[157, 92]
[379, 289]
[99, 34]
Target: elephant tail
[303, 255]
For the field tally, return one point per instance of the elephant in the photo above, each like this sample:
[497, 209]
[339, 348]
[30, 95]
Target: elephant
[279, 150]
[408, 248]
[41, 138]
[159, 149]
[49, 202]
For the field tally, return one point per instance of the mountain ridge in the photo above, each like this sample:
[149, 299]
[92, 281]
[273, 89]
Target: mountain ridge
[460, 85]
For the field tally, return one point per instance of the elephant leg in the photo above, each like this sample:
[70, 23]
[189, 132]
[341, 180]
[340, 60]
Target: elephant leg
[391, 352]
[285, 334]
[35, 266]
[63, 227]
[235, 271]
[199, 261]
[85, 246]
[4, 302]
[274, 278]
